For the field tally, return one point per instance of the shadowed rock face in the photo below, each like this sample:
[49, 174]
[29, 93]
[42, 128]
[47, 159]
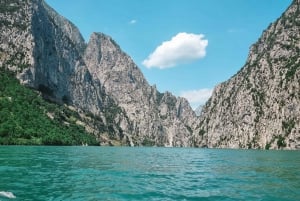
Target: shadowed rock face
[48, 53]
[259, 107]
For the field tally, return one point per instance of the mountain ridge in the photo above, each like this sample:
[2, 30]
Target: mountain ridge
[259, 106]
[95, 77]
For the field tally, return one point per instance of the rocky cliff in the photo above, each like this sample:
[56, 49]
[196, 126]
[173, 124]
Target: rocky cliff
[157, 119]
[97, 79]
[259, 107]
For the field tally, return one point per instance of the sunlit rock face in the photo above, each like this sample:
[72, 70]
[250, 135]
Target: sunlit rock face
[98, 79]
[156, 118]
[259, 107]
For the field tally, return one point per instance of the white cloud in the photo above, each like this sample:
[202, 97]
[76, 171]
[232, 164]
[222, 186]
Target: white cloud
[133, 21]
[197, 97]
[182, 48]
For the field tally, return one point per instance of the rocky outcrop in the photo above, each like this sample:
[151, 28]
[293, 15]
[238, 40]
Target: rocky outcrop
[98, 79]
[156, 119]
[259, 106]
[46, 52]
[16, 42]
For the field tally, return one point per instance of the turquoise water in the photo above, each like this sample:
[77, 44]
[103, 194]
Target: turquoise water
[110, 173]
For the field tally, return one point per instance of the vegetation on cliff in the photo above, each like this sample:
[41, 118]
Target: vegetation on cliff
[26, 118]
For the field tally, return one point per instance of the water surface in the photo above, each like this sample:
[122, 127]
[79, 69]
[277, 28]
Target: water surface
[123, 173]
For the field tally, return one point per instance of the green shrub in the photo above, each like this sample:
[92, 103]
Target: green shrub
[24, 120]
[281, 142]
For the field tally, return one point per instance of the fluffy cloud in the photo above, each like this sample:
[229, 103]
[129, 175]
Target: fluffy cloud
[197, 97]
[182, 48]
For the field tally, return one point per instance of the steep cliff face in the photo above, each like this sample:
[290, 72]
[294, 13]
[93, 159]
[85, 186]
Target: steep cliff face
[43, 48]
[259, 107]
[16, 41]
[48, 53]
[157, 119]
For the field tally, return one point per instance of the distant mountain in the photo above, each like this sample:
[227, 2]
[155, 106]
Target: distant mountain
[47, 53]
[259, 107]
[198, 110]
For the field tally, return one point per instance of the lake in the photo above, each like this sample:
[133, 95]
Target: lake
[162, 174]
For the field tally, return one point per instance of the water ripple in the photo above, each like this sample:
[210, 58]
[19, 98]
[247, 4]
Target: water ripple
[121, 174]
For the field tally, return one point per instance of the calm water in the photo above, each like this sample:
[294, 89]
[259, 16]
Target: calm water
[107, 173]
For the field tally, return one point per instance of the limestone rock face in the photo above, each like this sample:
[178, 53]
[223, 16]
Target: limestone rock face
[98, 79]
[17, 44]
[157, 119]
[42, 47]
[46, 52]
[259, 107]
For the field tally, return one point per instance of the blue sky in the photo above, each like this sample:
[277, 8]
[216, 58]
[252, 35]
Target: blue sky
[183, 46]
